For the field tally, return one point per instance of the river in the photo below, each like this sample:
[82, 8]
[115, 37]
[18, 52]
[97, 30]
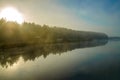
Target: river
[96, 60]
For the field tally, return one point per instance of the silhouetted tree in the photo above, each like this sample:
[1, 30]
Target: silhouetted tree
[13, 34]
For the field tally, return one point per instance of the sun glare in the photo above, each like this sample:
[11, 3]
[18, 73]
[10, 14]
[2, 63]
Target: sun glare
[11, 14]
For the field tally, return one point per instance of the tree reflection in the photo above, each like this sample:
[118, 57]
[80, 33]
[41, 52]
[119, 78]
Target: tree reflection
[9, 56]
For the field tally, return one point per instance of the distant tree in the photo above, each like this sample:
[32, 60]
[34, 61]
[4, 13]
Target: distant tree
[31, 33]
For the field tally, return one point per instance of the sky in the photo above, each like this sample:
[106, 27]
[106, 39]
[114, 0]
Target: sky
[86, 15]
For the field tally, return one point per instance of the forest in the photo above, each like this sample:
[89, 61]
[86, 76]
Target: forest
[13, 34]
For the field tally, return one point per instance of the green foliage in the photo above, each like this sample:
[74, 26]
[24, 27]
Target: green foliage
[12, 33]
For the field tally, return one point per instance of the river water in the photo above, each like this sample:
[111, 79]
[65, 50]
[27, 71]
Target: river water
[96, 60]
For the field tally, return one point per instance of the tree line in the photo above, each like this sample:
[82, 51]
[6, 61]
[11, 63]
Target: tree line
[12, 33]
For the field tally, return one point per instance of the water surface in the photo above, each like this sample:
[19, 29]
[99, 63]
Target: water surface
[96, 60]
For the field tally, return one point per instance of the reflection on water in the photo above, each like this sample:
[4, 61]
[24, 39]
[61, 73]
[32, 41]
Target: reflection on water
[9, 56]
[67, 61]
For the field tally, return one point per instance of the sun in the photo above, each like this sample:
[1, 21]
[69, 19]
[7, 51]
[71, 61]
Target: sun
[11, 14]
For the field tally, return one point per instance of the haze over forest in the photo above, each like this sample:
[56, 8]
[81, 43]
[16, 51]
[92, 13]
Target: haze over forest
[86, 15]
[59, 39]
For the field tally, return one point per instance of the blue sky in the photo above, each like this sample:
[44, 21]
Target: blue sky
[104, 13]
[87, 15]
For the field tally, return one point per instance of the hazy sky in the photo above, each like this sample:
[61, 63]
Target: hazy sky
[88, 15]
